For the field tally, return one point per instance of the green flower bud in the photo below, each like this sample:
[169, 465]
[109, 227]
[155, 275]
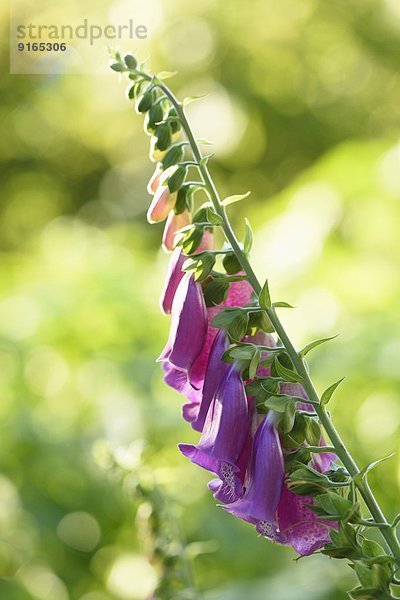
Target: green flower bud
[176, 180]
[175, 125]
[154, 116]
[130, 61]
[145, 102]
[163, 135]
[174, 155]
[231, 264]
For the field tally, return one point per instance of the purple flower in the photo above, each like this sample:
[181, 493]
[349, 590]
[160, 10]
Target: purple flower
[239, 295]
[178, 380]
[299, 525]
[175, 273]
[216, 369]
[260, 501]
[173, 279]
[228, 491]
[225, 432]
[188, 325]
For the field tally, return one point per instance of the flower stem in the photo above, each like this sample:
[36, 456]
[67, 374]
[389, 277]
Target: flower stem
[298, 362]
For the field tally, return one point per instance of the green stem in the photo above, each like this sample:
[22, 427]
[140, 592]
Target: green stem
[298, 362]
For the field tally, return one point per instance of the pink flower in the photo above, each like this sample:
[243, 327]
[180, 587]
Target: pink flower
[163, 202]
[173, 224]
[154, 180]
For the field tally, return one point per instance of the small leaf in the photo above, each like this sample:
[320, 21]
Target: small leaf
[282, 305]
[118, 67]
[314, 344]
[287, 374]
[362, 474]
[238, 328]
[248, 240]
[190, 99]
[204, 141]
[253, 366]
[395, 521]
[223, 319]
[205, 159]
[166, 74]
[265, 298]
[216, 291]
[328, 393]
[235, 198]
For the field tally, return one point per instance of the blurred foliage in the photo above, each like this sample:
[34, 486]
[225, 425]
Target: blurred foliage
[303, 108]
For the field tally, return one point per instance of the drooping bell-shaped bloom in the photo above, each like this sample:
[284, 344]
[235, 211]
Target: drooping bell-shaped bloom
[172, 280]
[163, 202]
[225, 432]
[229, 490]
[239, 295]
[188, 325]
[154, 180]
[175, 273]
[216, 369]
[178, 380]
[299, 525]
[173, 224]
[260, 501]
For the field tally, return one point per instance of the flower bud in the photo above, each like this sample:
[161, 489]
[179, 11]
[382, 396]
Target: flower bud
[130, 61]
[163, 201]
[176, 180]
[174, 222]
[145, 102]
[154, 180]
[174, 155]
[163, 135]
[156, 154]
[154, 116]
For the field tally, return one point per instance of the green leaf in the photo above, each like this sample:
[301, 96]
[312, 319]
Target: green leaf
[248, 239]
[118, 67]
[312, 431]
[238, 328]
[328, 393]
[190, 99]
[265, 298]
[282, 305]
[200, 264]
[255, 361]
[287, 374]
[216, 291]
[204, 141]
[235, 198]
[395, 521]
[315, 344]
[223, 319]
[166, 75]
[278, 403]
[213, 217]
[363, 473]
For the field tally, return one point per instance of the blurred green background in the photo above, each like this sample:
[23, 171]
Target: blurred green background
[303, 108]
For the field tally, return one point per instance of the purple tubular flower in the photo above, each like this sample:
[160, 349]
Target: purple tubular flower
[225, 432]
[228, 491]
[260, 501]
[173, 279]
[188, 325]
[216, 369]
[299, 525]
